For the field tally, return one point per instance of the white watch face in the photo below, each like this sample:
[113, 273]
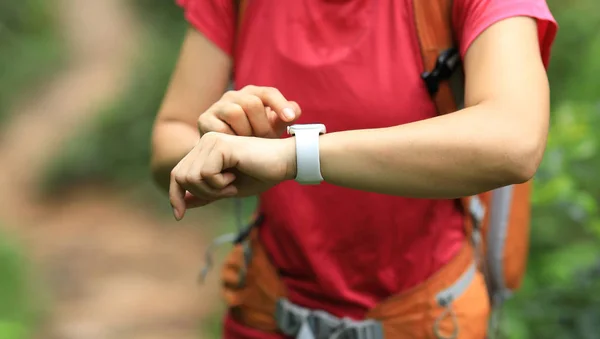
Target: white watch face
[316, 127]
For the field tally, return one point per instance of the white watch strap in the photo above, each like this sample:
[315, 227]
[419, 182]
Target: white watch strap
[308, 166]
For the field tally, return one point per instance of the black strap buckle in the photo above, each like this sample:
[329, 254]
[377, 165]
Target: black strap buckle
[445, 65]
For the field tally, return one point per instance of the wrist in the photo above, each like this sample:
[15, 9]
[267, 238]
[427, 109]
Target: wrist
[289, 145]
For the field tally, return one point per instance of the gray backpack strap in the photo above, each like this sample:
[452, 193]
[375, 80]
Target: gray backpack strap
[492, 261]
[496, 239]
[303, 323]
[497, 233]
[240, 237]
[447, 296]
[477, 213]
[208, 261]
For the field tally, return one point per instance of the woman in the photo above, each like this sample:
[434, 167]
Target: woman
[384, 222]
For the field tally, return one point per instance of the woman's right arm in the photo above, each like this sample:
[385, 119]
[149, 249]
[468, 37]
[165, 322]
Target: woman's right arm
[201, 75]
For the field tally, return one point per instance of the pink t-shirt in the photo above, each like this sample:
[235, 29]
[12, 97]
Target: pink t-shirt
[350, 64]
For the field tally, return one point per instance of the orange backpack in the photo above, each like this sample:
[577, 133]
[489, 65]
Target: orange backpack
[498, 220]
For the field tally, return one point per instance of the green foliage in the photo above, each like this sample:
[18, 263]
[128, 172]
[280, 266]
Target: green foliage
[16, 312]
[559, 298]
[115, 148]
[212, 327]
[29, 50]
[29, 46]
[574, 66]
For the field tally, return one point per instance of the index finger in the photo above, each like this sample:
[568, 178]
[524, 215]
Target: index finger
[177, 198]
[272, 97]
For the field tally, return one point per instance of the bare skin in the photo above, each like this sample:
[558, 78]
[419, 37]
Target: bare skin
[195, 104]
[497, 140]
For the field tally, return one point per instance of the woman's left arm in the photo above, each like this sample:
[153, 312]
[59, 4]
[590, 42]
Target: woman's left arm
[497, 140]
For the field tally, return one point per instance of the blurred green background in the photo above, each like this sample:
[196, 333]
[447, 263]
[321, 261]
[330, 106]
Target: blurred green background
[88, 193]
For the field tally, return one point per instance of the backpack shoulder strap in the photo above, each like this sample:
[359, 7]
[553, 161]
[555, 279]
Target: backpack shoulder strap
[442, 74]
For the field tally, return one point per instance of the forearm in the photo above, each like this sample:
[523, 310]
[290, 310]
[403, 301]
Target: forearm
[455, 155]
[171, 141]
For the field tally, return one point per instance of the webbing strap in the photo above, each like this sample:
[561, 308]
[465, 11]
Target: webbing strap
[497, 235]
[494, 323]
[477, 210]
[447, 296]
[208, 261]
[240, 237]
[303, 323]
[459, 287]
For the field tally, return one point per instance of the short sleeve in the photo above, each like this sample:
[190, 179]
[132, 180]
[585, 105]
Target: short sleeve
[472, 17]
[213, 18]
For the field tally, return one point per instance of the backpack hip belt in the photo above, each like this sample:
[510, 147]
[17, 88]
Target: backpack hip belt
[257, 298]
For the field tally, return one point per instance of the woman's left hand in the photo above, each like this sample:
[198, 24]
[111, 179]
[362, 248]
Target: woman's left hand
[222, 166]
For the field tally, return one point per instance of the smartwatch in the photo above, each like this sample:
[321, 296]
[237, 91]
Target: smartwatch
[308, 167]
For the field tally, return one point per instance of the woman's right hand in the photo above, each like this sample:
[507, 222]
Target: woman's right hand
[252, 111]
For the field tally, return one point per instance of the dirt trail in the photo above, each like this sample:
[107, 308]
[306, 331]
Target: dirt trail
[111, 270]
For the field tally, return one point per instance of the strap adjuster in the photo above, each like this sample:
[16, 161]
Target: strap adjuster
[445, 65]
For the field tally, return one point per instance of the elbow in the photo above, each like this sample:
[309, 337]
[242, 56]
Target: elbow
[525, 159]
[523, 137]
